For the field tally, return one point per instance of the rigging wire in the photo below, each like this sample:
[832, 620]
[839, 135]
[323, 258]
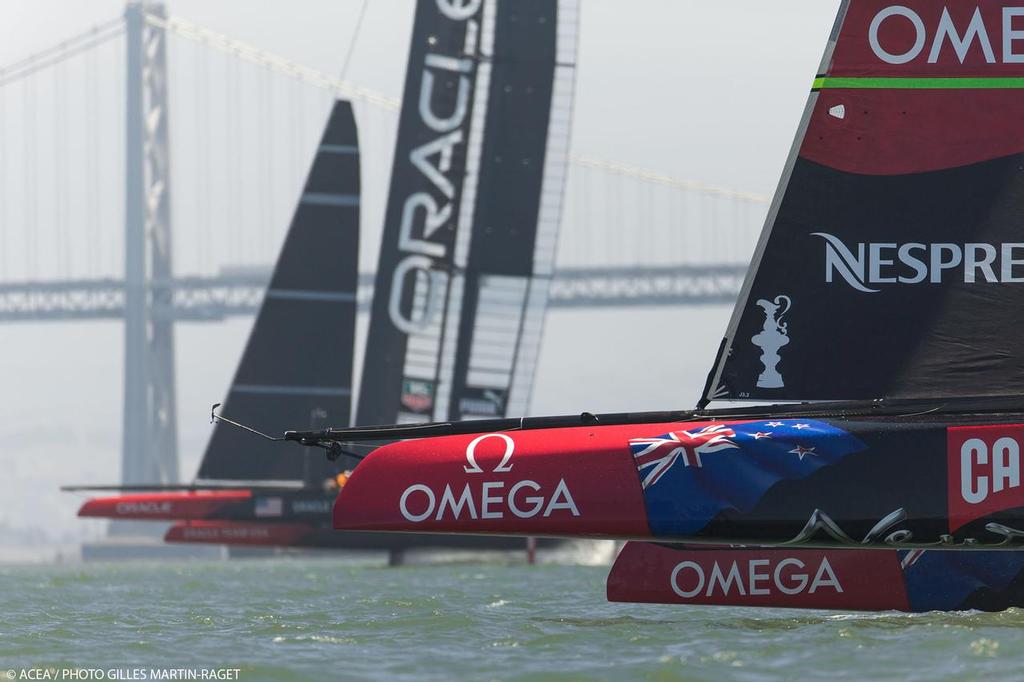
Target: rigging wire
[204, 207]
[91, 169]
[230, 225]
[352, 43]
[263, 148]
[28, 141]
[60, 148]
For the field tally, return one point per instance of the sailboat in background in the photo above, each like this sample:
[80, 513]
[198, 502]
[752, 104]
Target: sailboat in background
[297, 365]
[473, 212]
[462, 285]
[887, 281]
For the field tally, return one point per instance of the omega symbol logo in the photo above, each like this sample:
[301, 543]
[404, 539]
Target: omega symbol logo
[504, 466]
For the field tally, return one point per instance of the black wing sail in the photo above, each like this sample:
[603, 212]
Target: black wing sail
[297, 364]
[501, 292]
[892, 263]
[401, 366]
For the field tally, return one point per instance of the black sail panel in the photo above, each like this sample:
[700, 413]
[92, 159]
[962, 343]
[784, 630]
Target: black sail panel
[517, 203]
[297, 364]
[401, 367]
[892, 263]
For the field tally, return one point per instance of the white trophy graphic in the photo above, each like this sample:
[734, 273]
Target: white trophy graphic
[770, 339]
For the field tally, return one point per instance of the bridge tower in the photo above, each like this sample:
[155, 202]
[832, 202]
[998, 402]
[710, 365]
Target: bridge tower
[149, 450]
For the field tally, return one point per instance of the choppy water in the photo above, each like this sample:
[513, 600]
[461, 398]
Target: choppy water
[324, 619]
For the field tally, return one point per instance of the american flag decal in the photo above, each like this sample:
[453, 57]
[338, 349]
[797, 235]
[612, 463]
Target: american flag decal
[655, 456]
[268, 506]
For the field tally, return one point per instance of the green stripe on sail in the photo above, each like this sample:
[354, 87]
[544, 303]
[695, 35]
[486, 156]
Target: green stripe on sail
[993, 83]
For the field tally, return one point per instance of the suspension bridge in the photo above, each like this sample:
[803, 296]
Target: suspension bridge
[149, 167]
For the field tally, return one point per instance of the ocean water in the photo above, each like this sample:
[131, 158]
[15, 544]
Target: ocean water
[316, 619]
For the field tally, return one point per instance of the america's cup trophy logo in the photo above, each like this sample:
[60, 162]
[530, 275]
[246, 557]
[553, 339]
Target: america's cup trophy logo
[771, 338]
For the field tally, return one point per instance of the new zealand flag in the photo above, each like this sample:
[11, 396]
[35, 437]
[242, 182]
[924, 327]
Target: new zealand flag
[690, 476]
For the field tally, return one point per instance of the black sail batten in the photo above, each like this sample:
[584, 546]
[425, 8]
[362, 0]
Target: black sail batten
[297, 363]
[522, 158]
[413, 281]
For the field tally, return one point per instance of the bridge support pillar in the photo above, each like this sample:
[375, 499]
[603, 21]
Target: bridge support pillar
[149, 451]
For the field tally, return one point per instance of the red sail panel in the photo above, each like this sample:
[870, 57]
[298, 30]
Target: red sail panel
[856, 580]
[229, 533]
[883, 132]
[170, 506]
[928, 38]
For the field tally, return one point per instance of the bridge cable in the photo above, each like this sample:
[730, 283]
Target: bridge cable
[61, 52]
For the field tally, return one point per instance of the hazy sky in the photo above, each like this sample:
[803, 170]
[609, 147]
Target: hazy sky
[709, 91]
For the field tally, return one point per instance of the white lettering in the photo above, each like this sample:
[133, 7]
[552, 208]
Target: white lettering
[689, 578]
[403, 503]
[1011, 35]
[1009, 261]
[831, 581]
[877, 262]
[972, 263]
[754, 577]
[938, 263]
[125, 508]
[488, 500]
[435, 218]
[919, 40]
[444, 148]
[976, 29]
[867, 265]
[420, 317]
[1005, 464]
[840, 259]
[974, 489]
[975, 34]
[448, 500]
[561, 493]
[433, 159]
[726, 583]
[914, 263]
[433, 121]
[697, 570]
[801, 578]
[536, 500]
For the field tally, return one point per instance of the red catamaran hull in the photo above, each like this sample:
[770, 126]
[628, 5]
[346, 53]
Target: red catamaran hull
[285, 518]
[168, 506]
[887, 482]
[848, 579]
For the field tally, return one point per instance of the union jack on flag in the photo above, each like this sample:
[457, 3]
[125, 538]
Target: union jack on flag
[655, 456]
